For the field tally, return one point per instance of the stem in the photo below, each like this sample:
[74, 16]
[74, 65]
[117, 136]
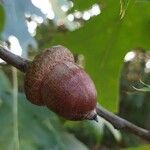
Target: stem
[116, 121]
[122, 124]
[14, 60]
[15, 108]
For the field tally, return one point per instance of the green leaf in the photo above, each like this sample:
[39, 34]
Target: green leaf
[71, 143]
[84, 129]
[82, 5]
[144, 89]
[143, 147]
[2, 18]
[104, 41]
[39, 128]
[5, 85]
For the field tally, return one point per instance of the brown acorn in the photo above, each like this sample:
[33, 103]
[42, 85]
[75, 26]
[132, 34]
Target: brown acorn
[55, 80]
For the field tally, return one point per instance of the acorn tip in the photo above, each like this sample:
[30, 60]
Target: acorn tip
[95, 118]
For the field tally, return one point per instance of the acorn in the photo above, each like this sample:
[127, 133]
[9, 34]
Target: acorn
[53, 79]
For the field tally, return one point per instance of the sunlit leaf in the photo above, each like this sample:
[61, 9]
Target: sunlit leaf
[82, 5]
[104, 41]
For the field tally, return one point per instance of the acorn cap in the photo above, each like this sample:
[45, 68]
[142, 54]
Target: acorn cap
[38, 69]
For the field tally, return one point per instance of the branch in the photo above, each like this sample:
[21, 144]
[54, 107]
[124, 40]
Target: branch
[122, 124]
[14, 60]
[119, 123]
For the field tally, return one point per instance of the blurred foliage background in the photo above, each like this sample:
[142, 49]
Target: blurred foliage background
[111, 39]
